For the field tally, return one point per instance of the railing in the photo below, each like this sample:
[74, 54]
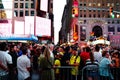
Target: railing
[85, 73]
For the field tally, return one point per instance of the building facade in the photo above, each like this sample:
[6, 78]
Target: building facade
[95, 18]
[98, 17]
[16, 11]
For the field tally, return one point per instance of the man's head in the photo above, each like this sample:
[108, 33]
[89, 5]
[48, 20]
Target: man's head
[3, 46]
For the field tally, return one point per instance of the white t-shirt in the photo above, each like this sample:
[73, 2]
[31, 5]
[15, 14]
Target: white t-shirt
[23, 62]
[97, 56]
[5, 58]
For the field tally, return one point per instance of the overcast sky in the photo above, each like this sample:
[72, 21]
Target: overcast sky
[58, 7]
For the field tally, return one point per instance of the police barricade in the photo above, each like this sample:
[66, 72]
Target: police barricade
[66, 73]
[100, 73]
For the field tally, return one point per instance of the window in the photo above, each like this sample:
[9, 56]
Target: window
[81, 4]
[118, 29]
[16, 13]
[84, 15]
[99, 4]
[94, 15]
[32, 13]
[32, 5]
[15, 5]
[26, 5]
[111, 29]
[99, 15]
[21, 13]
[118, 22]
[117, 4]
[89, 10]
[1, 6]
[90, 4]
[26, 13]
[21, 5]
[82, 33]
[89, 15]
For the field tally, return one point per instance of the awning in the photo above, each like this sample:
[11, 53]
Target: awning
[19, 37]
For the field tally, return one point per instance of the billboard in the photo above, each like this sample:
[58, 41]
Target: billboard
[18, 27]
[42, 26]
[6, 28]
[44, 5]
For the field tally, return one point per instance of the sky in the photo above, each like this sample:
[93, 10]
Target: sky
[58, 7]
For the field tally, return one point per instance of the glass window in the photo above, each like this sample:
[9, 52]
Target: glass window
[81, 4]
[15, 5]
[118, 29]
[32, 5]
[85, 4]
[26, 13]
[21, 13]
[117, 4]
[94, 15]
[84, 15]
[26, 5]
[32, 13]
[99, 15]
[89, 15]
[21, 5]
[16, 13]
[26, 0]
[83, 33]
[118, 22]
[99, 4]
[108, 4]
[90, 4]
[1, 6]
[111, 29]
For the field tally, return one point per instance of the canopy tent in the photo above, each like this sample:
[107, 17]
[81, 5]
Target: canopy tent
[19, 37]
[101, 41]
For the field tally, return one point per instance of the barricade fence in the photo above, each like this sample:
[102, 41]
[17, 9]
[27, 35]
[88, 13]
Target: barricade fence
[87, 73]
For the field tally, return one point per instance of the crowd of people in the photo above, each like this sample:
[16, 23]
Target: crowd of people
[58, 62]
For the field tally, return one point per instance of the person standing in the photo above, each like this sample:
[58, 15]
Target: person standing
[23, 66]
[104, 67]
[74, 61]
[13, 53]
[5, 61]
[46, 64]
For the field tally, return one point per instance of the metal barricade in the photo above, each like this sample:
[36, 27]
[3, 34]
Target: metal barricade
[90, 71]
[65, 73]
[113, 73]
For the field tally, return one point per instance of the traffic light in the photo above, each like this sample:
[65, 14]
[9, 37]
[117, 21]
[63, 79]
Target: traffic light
[75, 12]
[111, 10]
